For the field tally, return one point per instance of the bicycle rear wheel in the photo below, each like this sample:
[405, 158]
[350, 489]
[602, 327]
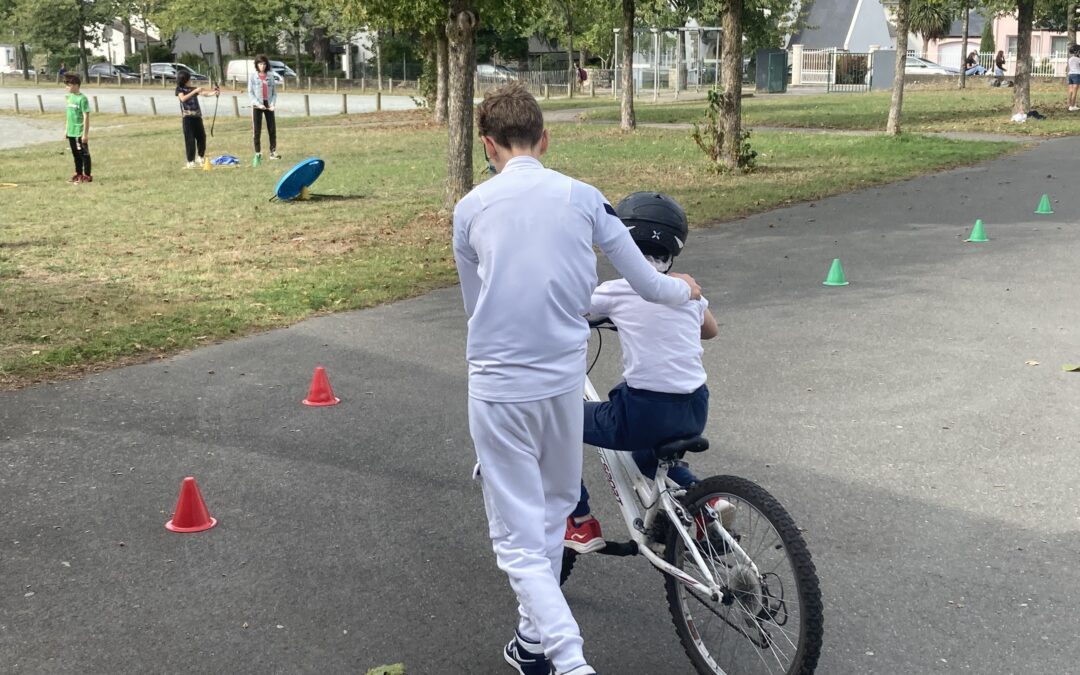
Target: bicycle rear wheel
[769, 622]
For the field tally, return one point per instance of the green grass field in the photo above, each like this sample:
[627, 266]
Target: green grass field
[977, 108]
[151, 259]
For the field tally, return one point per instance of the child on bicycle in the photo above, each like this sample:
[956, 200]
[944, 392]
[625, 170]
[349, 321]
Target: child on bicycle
[523, 243]
[663, 396]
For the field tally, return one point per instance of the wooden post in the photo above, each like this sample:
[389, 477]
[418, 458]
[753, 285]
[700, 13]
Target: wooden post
[547, 91]
[307, 106]
[98, 80]
[37, 77]
[309, 83]
[363, 85]
[142, 81]
[592, 87]
[391, 88]
[118, 81]
[96, 109]
[123, 105]
[344, 104]
[153, 106]
[378, 101]
[16, 103]
[1, 79]
[235, 106]
[40, 104]
[335, 84]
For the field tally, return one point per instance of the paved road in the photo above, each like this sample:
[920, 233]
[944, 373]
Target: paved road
[932, 467]
[138, 101]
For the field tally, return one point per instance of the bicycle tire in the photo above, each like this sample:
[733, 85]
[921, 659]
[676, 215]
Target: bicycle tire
[569, 557]
[757, 634]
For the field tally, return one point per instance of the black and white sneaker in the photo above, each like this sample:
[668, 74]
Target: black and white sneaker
[526, 657]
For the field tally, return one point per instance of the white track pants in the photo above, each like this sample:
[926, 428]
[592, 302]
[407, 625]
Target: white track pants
[530, 466]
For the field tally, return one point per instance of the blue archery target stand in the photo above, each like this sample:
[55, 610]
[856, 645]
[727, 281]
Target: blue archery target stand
[296, 181]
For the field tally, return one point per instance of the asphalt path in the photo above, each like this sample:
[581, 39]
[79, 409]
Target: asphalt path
[902, 420]
[137, 99]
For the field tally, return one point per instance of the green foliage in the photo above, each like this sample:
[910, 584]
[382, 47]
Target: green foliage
[986, 42]
[930, 19]
[709, 136]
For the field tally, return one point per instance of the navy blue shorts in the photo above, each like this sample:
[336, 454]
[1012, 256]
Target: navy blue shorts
[1074, 78]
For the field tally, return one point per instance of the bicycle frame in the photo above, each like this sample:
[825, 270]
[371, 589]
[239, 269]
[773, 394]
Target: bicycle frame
[641, 501]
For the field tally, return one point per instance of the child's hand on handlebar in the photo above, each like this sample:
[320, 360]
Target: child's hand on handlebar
[695, 289]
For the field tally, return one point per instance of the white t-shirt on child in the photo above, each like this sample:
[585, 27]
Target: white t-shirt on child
[523, 243]
[1074, 65]
[661, 344]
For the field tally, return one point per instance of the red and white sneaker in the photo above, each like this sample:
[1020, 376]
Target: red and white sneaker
[86, 178]
[77, 178]
[717, 507]
[583, 537]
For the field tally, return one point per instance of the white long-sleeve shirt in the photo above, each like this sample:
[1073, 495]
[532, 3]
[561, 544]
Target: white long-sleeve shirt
[523, 242]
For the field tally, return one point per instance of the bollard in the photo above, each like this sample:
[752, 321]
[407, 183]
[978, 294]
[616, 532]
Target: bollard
[391, 84]
[309, 83]
[378, 101]
[547, 91]
[118, 81]
[123, 105]
[592, 87]
[40, 104]
[37, 77]
[363, 86]
[1, 79]
[163, 85]
[335, 84]
[98, 79]
[96, 109]
[307, 106]
[142, 81]
[153, 106]
[235, 106]
[344, 104]
[16, 103]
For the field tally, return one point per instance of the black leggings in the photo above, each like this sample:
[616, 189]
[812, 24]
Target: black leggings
[257, 115]
[194, 136]
[81, 152]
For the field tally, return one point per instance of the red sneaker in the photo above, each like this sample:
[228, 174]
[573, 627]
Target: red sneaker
[583, 537]
[715, 507]
[77, 178]
[86, 178]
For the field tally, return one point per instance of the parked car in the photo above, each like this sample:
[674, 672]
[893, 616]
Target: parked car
[15, 71]
[916, 65]
[492, 73]
[240, 69]
[169, 71]
[111, 71]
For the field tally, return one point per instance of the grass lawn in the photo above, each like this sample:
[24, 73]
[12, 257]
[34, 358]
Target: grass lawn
[151, 259]
[977, 108]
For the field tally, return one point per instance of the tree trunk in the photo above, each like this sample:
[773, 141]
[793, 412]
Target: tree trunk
[571, 72]
[461, 51]
[234, 44]
[1070, 22]
[964, 48]
[128, 42]
[680, 65]
[442, 74]
[220, 62]
[731, 104]
[296, 43]
[897, 103]
[628, 122]
[146, 38]
[25, 62]
[378, 61]
[1022, 92]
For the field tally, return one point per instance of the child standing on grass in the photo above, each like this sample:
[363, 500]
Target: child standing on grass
[191, 113]
[78, 128]
[1073, 75]
[523, 243]
[263, 94]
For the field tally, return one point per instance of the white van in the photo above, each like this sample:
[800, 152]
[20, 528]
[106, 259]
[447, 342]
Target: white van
[239, 69]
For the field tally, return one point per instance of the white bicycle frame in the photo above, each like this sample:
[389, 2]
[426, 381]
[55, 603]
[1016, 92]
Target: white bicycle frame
[641, 501]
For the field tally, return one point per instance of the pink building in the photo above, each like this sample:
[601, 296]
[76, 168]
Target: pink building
[1048, 49]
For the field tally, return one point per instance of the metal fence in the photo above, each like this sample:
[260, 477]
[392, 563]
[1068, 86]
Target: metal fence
[850, 71]
[816, 66]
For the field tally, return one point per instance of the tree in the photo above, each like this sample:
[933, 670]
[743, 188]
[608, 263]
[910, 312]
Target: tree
[731, 67]
[986, 40]
[897, 102]
[627, 122]
[1022, 91]
[931, 19]
[964, 42]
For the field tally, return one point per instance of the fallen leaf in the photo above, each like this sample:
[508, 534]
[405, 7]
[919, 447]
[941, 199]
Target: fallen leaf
[1071, 368]
[1031, 362]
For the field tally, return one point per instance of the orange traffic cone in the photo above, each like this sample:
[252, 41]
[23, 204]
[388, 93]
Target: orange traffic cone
[190, 514]
[320, 393]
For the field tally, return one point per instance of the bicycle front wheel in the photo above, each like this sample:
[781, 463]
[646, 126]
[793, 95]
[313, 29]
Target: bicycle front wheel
[768, 620]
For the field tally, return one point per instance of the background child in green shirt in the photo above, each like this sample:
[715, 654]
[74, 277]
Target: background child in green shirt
[78, 127]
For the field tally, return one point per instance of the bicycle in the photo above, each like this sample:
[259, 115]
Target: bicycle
[720, 544]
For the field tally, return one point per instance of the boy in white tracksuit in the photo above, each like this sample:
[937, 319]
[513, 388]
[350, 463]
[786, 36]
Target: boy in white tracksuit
[523, 242]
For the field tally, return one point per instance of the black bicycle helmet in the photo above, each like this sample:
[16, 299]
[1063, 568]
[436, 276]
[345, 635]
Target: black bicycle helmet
[656, 222]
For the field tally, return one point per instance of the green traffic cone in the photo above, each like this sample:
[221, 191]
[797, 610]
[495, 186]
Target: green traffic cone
[1044, 206]
[978, 235]
[257, 159]
[836, 274]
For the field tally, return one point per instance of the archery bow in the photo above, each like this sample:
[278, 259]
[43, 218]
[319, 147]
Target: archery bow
[217, 102]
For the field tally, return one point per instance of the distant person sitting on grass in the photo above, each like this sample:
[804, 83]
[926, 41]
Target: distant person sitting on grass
[78, 128]
[972, 65]
[1074, 76]
[194, 131]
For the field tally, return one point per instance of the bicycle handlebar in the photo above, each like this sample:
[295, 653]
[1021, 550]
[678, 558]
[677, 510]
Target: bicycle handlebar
[603, 322]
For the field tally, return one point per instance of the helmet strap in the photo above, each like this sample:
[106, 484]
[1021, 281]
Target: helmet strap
[661, 263]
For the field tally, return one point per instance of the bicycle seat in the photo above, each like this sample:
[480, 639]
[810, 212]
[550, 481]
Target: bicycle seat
[672, 450]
